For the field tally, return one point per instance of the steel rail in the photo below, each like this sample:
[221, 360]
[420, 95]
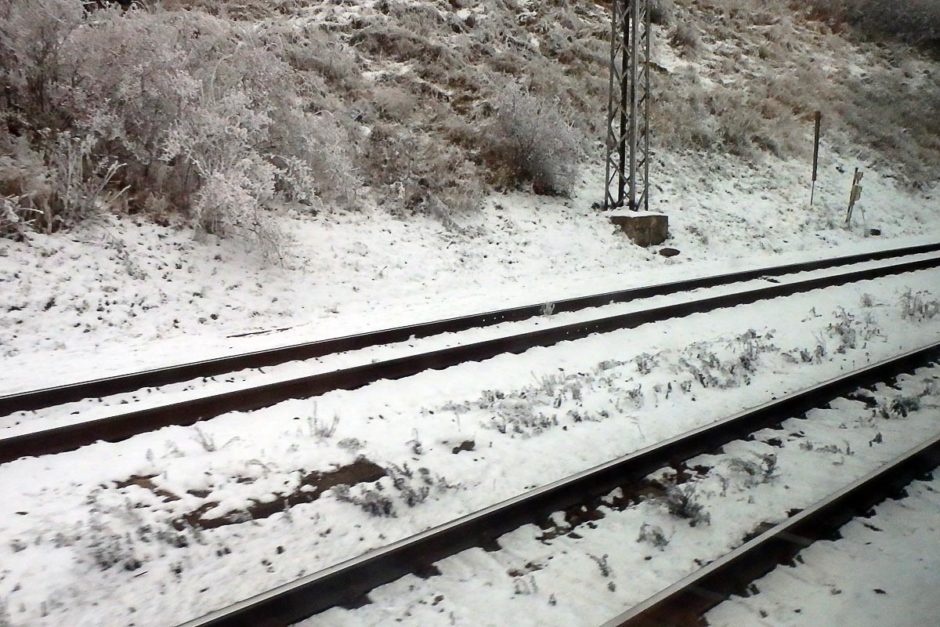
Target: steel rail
[684, 603]
[122, 426]
[349, 581]
[48, 397]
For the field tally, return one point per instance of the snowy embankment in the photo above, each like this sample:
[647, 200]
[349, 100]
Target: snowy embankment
[183, 520]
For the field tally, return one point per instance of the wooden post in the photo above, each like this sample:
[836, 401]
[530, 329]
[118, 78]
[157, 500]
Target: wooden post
[812, 192]
[854, 195]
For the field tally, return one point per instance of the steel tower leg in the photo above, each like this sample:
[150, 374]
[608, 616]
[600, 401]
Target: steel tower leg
[627, 145]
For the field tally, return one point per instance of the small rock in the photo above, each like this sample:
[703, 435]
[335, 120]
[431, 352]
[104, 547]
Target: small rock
[466, 445]
[874, 232]
[668, 252]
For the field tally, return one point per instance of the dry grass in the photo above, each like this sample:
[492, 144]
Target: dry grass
[760, 69]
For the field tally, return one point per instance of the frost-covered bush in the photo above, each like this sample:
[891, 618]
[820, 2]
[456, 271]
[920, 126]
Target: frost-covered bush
[13, 218]
[762, 469]
[412, 489]
[763, 118]
[661, 11]
[372, 501]
[685, 37]
[418, 173]
[33, 35]
[653, 534]
[179, 109]
[531, 139]
[899, 407]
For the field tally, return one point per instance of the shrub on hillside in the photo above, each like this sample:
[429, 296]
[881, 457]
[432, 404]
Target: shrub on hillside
[416, 173]
[690, 114]
[685, 38]
[530, 139]
[661, 11]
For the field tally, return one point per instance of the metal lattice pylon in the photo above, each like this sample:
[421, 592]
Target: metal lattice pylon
[628, 121]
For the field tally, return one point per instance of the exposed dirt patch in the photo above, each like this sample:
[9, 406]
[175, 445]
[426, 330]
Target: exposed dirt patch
[146, 482]
[631, 493]
[312, 486]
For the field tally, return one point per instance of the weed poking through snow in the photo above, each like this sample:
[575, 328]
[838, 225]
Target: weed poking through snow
[756, 471]
[411, 487]
[321, 430]
[918, 306]
[682, 502]
[654, 535]
[899, 407]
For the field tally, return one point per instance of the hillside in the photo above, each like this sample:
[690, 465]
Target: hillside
[210, 169]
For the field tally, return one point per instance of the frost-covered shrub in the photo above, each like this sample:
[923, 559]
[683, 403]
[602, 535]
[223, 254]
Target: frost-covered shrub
[25, 185]
[755, 471]
[661, 11]
[14, 220]
[372, 501]
[903, 138]
[685, 37]
[899, 407]
[412, 488]
[530, 139]
[653, 534]
[107, 547]
[58, 187]
[315, 159]
[850, 331]
[33, 34]
[241, 10]
[146, 86]
[218, 140]
[189, 112]
[418, 173]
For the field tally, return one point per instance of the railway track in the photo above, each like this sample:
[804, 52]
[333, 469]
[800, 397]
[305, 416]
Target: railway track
[47, 397]
[126, 424]
[683, 603]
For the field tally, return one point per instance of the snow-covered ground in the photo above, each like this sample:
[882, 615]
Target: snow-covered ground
[586, 573]
[96, 408]
[184, 520]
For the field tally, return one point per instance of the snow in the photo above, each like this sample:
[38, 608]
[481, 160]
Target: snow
[92, 537]
[634, 388]
[92, 409]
